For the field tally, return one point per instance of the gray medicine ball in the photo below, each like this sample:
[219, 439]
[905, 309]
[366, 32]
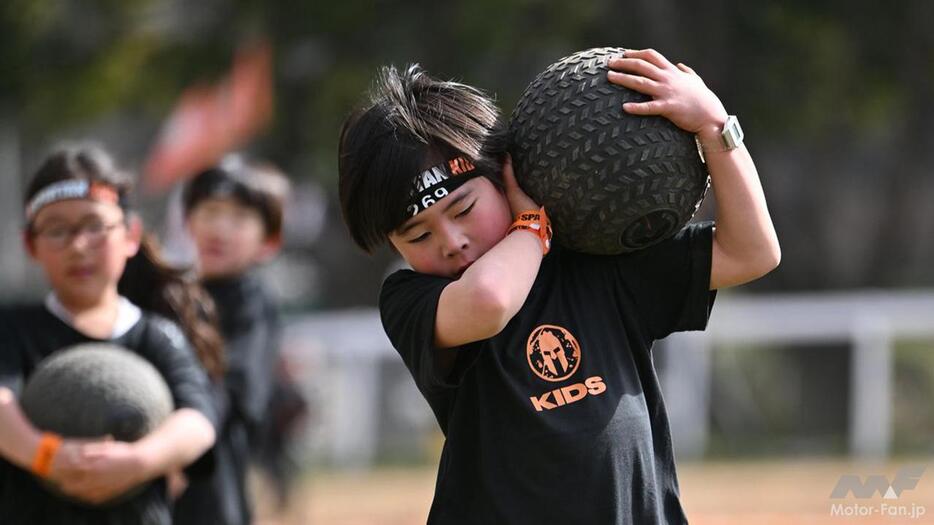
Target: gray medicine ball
[611, 182]
[92, 390]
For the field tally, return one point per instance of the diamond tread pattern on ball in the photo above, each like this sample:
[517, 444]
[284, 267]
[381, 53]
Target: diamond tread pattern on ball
[578, 154]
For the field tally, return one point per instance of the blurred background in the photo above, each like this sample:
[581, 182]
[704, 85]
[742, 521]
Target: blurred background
[823, 368]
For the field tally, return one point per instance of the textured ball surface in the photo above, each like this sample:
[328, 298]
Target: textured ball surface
[611, 182]
[93, 390]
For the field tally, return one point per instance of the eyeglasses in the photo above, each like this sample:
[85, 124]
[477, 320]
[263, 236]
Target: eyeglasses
[58, 237]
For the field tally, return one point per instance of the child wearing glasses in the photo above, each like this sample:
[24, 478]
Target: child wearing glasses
[82, 233]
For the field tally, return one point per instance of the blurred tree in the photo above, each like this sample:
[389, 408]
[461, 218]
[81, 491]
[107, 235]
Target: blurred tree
[66, 62]
[835, 96]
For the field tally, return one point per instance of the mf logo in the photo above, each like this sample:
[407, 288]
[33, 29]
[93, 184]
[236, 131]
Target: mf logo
[905, 479]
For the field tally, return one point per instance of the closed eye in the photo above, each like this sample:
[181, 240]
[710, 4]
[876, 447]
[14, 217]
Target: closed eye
[420, 238]
[466, 210]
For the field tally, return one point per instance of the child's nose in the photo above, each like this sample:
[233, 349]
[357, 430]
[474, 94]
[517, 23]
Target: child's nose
[453, 241]
[79, 241]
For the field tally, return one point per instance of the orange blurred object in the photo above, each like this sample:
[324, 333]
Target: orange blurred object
[209, 121]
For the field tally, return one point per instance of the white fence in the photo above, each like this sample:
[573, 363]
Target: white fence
[345, 355]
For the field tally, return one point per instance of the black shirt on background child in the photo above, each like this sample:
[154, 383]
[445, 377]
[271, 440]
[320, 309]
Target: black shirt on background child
[250, 326]
[28, 334]
[559, 418]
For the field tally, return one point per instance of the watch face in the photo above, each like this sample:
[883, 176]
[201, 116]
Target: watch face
[732, 133]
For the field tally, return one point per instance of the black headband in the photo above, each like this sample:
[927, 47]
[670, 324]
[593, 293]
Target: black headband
[437, 182]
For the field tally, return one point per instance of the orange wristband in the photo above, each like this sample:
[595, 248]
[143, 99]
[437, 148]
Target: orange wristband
[45, 454]
[535, 221]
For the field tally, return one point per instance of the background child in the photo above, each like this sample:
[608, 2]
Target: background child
[80, 231]
[538, 369]
[234, 212]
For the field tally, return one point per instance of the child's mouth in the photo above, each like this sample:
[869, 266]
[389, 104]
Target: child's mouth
[80, 272]
[214, 252]
[462, 269]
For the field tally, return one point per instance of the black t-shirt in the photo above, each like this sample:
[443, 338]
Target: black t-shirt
[559, 418]
[250, 324]
[28, 334]
[251, 327]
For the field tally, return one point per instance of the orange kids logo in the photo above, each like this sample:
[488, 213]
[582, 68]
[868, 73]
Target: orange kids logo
[554, 355]
[459, 165]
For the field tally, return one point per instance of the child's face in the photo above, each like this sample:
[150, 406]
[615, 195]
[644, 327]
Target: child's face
[82, 246]
[229, 237]
[449, 236]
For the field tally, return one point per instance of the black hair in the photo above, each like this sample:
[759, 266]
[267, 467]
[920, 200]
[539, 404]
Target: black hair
[255, 185]
[147, 281]
[87, 162]
[412, 122]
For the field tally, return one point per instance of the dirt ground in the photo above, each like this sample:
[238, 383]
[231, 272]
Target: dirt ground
[728, 493]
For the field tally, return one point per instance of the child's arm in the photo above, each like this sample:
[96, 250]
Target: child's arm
[98, 471]
[490, 292]
[178, 441]
[112, 467]
[19, 441]
[18, 438]
[745, 245]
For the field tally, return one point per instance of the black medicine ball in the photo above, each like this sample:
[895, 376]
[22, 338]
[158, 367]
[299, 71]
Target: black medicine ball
[611, 182]
[93, 390]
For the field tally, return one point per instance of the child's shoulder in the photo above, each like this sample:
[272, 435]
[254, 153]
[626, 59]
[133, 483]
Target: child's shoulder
[156, 331]
[409, 281]
[405, 276]
[694, 237]
[242, 299]
[24, 317]
[21, 309]
[406, 291]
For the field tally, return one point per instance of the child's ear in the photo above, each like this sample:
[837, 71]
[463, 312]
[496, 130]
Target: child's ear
[134, 235]
[29, 242]
[271, 246]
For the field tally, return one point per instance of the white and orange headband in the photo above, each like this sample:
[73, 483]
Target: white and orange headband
[73, 189]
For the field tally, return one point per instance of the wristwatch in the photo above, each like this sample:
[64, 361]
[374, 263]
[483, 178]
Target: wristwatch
[731, 137]
[732, 133]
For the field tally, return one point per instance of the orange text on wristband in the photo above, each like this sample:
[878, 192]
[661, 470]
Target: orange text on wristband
[535, 221]
[49, 444]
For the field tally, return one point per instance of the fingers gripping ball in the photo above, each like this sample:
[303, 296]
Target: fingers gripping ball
[611, 182]
[95, 390]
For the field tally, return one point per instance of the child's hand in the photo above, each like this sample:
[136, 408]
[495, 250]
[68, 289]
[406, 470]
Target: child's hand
[518, 200]
[678, 93]
[105, 470]
[176, 482]
[68, 462]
